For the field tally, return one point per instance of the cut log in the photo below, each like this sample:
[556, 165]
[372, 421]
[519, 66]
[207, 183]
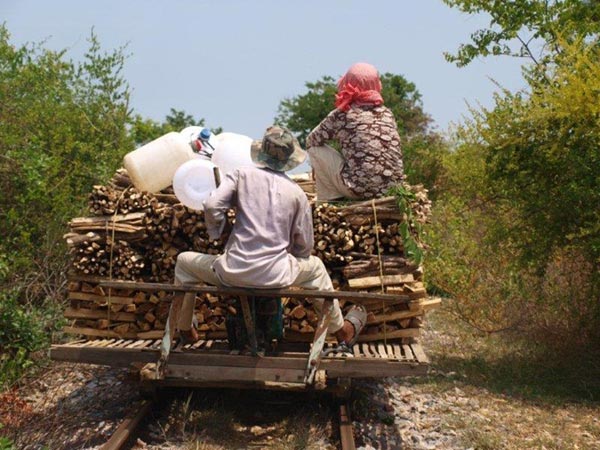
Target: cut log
[386, 280]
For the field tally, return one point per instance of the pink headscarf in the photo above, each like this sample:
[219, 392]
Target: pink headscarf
[361, 84]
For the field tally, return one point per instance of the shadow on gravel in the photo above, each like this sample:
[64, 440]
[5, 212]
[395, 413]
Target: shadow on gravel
[82, 415]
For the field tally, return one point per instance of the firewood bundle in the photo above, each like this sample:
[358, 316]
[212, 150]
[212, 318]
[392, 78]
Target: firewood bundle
[137, 236]
[131, 314]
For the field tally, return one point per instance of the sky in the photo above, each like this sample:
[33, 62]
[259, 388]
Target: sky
[231, 62]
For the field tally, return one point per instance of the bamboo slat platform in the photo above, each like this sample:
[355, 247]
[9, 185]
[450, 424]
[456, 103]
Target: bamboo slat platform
[210, 361]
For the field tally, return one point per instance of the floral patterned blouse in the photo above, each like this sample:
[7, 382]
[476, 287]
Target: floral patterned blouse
[370, 144]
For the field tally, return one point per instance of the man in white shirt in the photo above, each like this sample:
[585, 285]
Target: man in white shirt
[272, 238]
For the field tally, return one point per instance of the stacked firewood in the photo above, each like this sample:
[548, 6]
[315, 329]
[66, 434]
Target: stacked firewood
[132, 314]
[133, 235]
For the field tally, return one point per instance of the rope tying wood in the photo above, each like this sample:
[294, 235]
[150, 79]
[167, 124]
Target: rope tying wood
[380, 268]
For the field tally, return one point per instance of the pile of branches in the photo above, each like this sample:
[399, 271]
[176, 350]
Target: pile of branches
[136, 236]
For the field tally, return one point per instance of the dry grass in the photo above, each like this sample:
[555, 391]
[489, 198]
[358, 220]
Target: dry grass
[230, 419]
[499, 393]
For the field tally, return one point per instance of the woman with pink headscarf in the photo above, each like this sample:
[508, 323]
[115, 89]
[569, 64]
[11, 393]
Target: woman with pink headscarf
[370, 161]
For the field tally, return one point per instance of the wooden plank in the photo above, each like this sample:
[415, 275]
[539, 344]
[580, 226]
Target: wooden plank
[78, 221]
[90, 332]
[122, 357]
[89, 297]
[357, 297]
[113, 357]
[81, 313]
[225, 374]
[154, 334]
[198, 344]
[386, 280]
[377, 305]
[398, 352]
[382, 350]
[419, 353]
[390, 351]
[431, 303]
[407, 332]
[408, 352]
[396, 315]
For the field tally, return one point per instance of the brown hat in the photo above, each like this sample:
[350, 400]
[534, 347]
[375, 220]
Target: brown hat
[279, 150]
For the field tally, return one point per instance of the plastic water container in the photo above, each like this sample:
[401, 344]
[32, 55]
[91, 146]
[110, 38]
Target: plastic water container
[232, 151]
[152, 166]
[202, 141]
[193, 182]
[190, 134]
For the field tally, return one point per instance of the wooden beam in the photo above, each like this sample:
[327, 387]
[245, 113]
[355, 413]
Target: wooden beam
[225, 374]
[396, 315]
[89, 297]
[386, 280]
[357, 297]
[406, 333]
[81, 313]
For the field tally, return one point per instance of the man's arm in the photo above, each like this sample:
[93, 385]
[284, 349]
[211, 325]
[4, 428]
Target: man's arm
[216, 206]
[302, 236]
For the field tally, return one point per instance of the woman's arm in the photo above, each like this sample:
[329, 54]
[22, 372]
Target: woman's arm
[326, 130]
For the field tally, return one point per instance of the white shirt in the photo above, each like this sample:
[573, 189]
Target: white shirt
[273, 225]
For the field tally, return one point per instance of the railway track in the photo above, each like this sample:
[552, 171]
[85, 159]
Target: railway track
[130, 427]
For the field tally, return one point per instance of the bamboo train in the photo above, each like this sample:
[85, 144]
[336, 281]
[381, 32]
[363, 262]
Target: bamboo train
[136, 236]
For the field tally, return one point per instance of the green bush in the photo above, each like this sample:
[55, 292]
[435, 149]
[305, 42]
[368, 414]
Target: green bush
[63, 129]
[22, 332]
[516, 232]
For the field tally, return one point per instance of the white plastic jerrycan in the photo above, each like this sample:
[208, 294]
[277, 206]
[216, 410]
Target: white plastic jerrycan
[232, 151]
[152, 166]
[193, 182]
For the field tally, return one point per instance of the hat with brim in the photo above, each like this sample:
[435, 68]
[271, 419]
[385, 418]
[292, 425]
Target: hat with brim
[278, 150]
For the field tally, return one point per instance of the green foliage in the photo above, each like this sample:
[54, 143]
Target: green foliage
[526, 28]
[422, 149]
[410, 229]
[6, 444]
[515, 237]
[21, 333]
[146, 130]
[304, 112]
[544, 154]
[62, 129]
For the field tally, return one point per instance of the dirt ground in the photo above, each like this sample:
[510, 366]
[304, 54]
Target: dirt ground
[475, 397]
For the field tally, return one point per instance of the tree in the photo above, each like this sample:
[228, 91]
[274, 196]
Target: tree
[422, 147]
[526, 28]
[516, 235]
[62, 129]
[146, 130]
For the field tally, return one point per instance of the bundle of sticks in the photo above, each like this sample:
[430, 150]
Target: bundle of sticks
[137, 236]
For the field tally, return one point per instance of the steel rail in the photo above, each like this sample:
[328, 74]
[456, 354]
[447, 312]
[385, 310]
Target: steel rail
[127, 427]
